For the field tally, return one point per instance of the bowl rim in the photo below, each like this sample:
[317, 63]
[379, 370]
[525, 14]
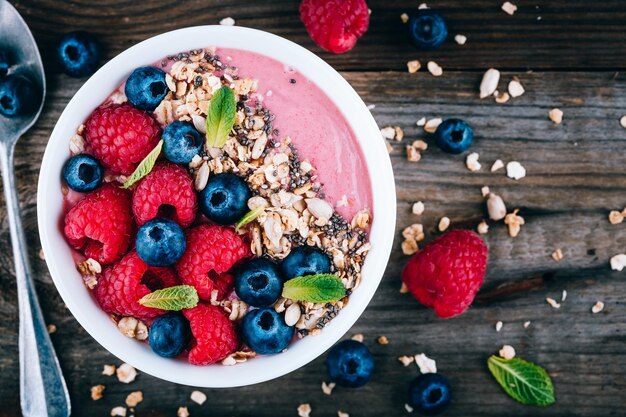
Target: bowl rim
[49, 201]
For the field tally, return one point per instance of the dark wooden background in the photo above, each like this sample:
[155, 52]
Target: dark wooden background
[567, 53]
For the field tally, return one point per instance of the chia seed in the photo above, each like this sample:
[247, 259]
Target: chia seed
[292, 80]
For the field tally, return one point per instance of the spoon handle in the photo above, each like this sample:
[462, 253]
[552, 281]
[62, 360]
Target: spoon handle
[42, 388]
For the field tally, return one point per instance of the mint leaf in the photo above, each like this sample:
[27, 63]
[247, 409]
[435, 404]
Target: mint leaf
[172, 298]
[522, 380]
[249, 217]
[145, 166]
[220, 117]
[320, 288]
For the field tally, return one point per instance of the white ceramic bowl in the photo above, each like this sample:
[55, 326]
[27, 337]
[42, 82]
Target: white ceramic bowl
[58, 254]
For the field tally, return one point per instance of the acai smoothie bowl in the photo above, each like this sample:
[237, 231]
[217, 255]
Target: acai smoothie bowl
[216, 206]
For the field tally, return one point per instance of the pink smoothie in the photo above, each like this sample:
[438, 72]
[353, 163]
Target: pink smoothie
[315, 125]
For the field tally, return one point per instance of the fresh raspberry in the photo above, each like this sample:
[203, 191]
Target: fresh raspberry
[120, 136]
[335, 25]
[214, 334]
[211, 251]
[448, 272]
[167, 191]
[122, 285]
[100, 225]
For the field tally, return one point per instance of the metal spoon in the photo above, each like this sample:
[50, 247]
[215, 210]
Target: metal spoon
[42, 387]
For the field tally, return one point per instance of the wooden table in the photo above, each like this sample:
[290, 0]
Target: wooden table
[567, 54]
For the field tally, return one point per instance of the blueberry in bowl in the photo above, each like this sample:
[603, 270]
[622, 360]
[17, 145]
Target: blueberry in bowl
[224, 200]
[18, 96]
[79, 54]
[350, 364]
[305, 260]
[160, 242]
[430, 394]
[427, 29]
[169, 335]
[181, 142]
[265, 331]
[454, 136]
[258, 282]
[83, 173]
[146, 88]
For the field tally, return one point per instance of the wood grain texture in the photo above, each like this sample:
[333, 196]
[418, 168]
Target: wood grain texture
[576, 174]
[571, 34]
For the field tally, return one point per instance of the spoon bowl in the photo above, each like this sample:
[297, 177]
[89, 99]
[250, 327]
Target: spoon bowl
[17, 38]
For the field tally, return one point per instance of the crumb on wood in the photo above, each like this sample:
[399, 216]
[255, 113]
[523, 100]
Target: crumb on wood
[556, 115]
[509, 8]
[597, 307]
[126, 373]
[358, 337]
[198, 397]
[118, 411]
[406, 360]
[108, 370]
[425, 364]
[327, 388]
[134, 398]
[507, 352]
[557, 255]
[434, 69]
[417, 208]
[552, 302]
[413, 66]
[97, 392]
[304, 410]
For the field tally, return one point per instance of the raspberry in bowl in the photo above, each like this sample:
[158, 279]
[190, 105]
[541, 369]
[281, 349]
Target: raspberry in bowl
[219, 192]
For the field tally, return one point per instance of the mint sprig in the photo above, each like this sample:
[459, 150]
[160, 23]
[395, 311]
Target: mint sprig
[249, 217]
[320, 288]
[523, 381]
[220, 117]
[145, 166]
[172, 298]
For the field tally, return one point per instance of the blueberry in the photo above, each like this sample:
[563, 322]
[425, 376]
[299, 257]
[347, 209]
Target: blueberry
[160, 242]
[454, 136]
[79, 54]
[350, 364]
[5, 62]
[265, 331]
[169, 335]
[18, 96]
[430, 394]
[225, 198]
[305, 260]
[258, 282]
[83, 173]
[427, 29]
[181, 142]
[146, 88]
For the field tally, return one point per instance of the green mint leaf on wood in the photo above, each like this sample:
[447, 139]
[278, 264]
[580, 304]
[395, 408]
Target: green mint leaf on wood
[145, 166]
[220, 117]
[172, 298]
[321, 288]
[522, 380]
[249, 217]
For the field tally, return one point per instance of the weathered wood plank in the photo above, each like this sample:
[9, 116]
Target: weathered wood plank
[570, 33]
[575, 175]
